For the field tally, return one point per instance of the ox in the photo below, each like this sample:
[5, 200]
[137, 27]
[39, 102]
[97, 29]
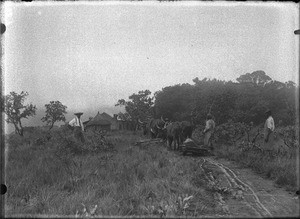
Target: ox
[174, 132]
[144, 126]
[187, 130]
[155, 127]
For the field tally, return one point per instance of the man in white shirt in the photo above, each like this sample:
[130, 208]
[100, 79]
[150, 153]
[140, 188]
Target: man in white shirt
[208, 131]
[269, 127]
[78, 127]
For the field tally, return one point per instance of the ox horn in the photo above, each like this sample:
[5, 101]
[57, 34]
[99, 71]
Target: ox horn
[162, 119]
[140, 121]
[158, 127]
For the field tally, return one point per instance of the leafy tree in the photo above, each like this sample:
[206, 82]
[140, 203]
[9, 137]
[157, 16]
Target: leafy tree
[174, 102]
[243, 101]
[139, 106]
[55, 111]
[15, 110]
[209, 98]
[256, 77]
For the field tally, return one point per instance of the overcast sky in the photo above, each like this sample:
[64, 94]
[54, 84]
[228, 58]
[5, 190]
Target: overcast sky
[89, 55]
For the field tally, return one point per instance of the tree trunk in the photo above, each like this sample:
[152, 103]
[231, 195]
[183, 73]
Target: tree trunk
[21, 128]
[51, 126]
[17, 129]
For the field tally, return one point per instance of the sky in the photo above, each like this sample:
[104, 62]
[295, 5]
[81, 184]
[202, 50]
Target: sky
[89, 55]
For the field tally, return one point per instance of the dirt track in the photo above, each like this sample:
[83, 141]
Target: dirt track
[243, 193]
[240, 192]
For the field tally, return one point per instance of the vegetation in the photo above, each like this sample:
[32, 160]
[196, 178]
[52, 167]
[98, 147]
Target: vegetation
[15, 110]
[244, 144]
[107, 175]
[139, 106]
[55, 111]
[245, 101]
[50, 172]
[239, 112]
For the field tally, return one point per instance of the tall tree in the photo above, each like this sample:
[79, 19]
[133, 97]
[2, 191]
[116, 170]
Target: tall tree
[55, 111]
[256, 77]
[139, 106]
[15, 110]
[174, 102]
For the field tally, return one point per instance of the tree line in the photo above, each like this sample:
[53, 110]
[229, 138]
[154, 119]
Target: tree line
[243, 101]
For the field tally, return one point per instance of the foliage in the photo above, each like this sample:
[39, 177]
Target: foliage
[290, 135]
[15, 110]
[245, 101]
[257, 77]
[55, 111]
[174, 102]
[139, 105]
[229, 132]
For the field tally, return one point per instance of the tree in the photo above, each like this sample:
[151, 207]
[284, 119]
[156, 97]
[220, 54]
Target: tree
[174, 102]
[139, 106]
[55, 111]
[256, 77]
[15, 110]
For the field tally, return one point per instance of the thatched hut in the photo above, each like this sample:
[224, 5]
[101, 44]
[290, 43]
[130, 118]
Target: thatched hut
[99, 122]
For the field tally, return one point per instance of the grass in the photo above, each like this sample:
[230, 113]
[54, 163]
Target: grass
[112, 177]
[60, 176]
[278, 164]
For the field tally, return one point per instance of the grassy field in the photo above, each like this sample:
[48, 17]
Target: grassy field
[60, 176]
[53, 174]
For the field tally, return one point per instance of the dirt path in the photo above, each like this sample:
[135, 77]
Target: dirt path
[244, 193]
[241, 192]
[261, 196]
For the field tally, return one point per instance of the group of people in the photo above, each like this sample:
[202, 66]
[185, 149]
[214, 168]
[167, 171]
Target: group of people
[210, 125]
[269, 128]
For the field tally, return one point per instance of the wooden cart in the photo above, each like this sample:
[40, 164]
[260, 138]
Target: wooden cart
[190, 147]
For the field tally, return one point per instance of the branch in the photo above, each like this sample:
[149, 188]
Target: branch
[285, 142]
[253, 140]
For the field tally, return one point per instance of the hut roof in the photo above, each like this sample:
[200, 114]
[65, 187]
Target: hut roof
[106, 116]
[99, 119]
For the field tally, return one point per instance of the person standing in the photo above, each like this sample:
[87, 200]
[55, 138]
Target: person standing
[269, 128]
[78, 127]
[208, 131]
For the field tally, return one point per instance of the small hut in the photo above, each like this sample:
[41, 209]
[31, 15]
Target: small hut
[99, 122]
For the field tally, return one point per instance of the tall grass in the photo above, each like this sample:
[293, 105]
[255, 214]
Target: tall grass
[102, 177]
[278, 163]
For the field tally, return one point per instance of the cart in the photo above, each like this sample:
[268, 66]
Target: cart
[189, 146]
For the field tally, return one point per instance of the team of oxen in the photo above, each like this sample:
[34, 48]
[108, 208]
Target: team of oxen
[174, 132]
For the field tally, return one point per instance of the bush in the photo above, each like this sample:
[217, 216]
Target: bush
[278, 163]
[289, 135]
[231, 132]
